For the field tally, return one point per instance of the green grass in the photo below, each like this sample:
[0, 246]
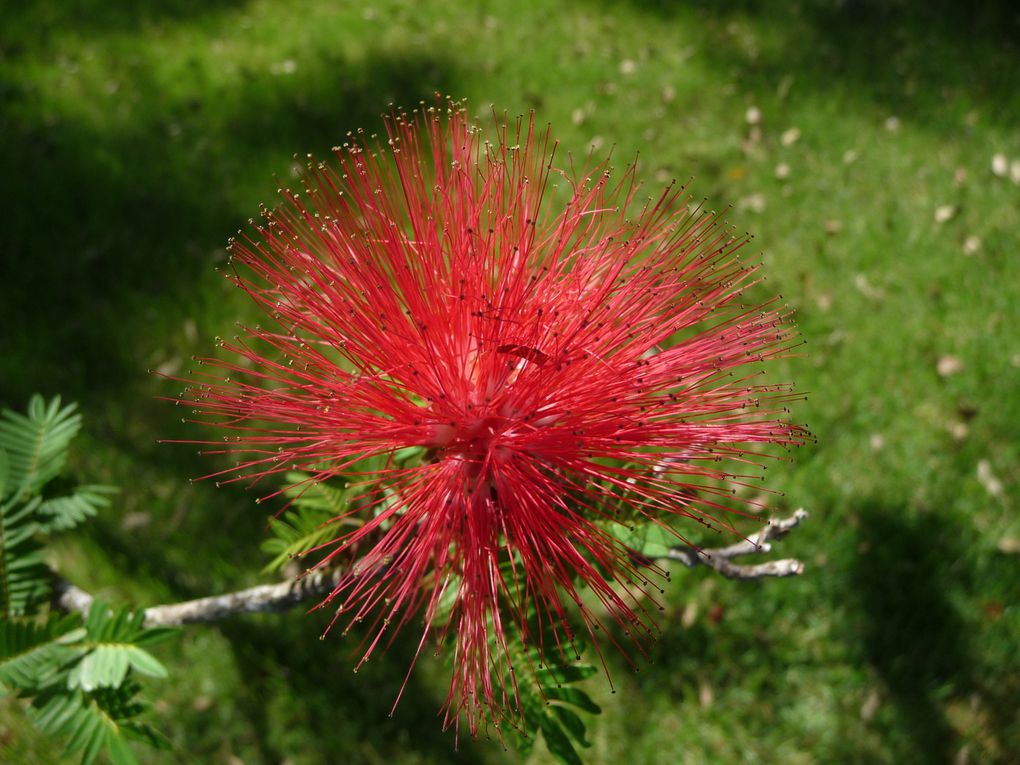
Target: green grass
[136, 141]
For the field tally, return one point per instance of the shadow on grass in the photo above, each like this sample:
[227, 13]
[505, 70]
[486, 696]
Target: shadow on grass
[109, 230]
[894, 608]
[917, 58]
[289, 671]
[910, 58]
[910, 633]
[34, 20]
[110, 238]
[728, 647]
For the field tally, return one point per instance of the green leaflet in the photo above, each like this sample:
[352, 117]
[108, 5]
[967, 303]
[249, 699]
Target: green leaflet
[304, 491]
[573, 696]
[646, 538]
[95, 722]
[558, 742]
[32, 652]
[556, 674]
[122, 625]
[79, 673]
[91, 700]
[66, 512]
[36, 443]
[548, 705]
[107, 664]
[4, 471]
[311, 519]
[315, 504]
[113, 640]
[24, 577]
[572, 723]
[409, 456]
[33, 449]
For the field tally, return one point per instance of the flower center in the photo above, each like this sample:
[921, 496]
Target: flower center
[471, 439]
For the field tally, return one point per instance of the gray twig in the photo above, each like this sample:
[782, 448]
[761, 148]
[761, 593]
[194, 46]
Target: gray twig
[263, 598]
[286, 595]
[721, 558]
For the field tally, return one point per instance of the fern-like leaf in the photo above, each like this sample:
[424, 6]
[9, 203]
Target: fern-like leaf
[311, 520]
[550, 706]
[107, 665]
[647, 539]
[4, 473]
[91, 699]
[24, 578]
[112, 647]
[36, 443]
[33, 448]
[94, 722]
[32, 652]
[77, 673]
[66, 512]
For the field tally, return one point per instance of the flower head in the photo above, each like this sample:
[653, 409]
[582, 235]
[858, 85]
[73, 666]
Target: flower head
[560, 367]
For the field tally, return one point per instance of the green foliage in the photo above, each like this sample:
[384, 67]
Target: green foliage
[646, 538]
[32, 652]
[24, 578]
[310, 520]
[113, 648]
[33, 450]
[94, 722]
[67, 511]
[78, 673]
[36, 444]
[314, 510]
[549, 703]
[79, 680]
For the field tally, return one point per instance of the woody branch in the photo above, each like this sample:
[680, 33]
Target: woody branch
[289, 594]
[264, 598]
[721, 558]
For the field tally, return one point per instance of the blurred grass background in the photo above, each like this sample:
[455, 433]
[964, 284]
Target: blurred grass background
[871, 145]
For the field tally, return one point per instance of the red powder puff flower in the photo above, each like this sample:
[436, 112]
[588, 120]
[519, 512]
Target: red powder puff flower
[563, 368]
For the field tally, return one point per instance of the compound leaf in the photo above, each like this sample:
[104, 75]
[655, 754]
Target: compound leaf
[66, 512]
[32, 652]
[36, 443]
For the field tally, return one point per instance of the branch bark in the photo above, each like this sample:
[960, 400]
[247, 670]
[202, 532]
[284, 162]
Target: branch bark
[720, 559]
[261, 599]
[286, 595]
